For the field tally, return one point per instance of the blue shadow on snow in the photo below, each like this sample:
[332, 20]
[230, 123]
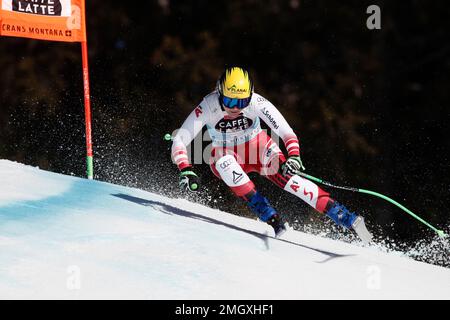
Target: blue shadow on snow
[168, 209]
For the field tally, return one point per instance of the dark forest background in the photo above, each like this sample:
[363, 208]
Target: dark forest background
[370, 106]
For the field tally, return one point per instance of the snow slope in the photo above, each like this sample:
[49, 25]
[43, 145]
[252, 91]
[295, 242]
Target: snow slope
[70, 238]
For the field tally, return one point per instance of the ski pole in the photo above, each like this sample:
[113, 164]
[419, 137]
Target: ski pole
[441, 233]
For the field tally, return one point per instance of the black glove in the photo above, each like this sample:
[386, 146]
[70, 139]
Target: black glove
[189, 180]
[292, 165]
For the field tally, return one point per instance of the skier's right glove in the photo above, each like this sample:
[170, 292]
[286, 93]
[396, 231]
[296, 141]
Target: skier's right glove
[189, 180]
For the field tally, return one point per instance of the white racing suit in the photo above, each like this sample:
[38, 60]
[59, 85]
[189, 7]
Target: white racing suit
[240, 146]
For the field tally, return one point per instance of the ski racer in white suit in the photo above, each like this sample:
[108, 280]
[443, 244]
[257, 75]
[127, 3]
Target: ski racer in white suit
[232, 115]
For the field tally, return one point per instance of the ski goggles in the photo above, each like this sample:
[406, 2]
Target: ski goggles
[235, 102]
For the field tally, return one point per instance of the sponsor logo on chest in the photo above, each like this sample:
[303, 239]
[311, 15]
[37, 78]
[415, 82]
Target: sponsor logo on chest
[232, 125]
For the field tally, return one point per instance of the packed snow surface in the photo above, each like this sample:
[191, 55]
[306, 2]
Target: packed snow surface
[63, 237]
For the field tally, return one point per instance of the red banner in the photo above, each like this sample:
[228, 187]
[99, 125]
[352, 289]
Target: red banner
[55, 20]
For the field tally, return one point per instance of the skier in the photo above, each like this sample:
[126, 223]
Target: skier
[232, 114]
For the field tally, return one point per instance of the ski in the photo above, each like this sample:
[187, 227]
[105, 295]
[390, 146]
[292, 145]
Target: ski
[361, 230]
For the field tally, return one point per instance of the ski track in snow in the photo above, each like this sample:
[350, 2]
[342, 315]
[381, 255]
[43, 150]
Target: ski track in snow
[63, 237]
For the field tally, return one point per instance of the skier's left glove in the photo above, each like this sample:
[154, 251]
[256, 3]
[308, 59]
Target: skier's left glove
[189, 180]
[292, 166]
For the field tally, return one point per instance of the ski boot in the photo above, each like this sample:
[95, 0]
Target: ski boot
[260, 205]
[343, 217]
[277, 224]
